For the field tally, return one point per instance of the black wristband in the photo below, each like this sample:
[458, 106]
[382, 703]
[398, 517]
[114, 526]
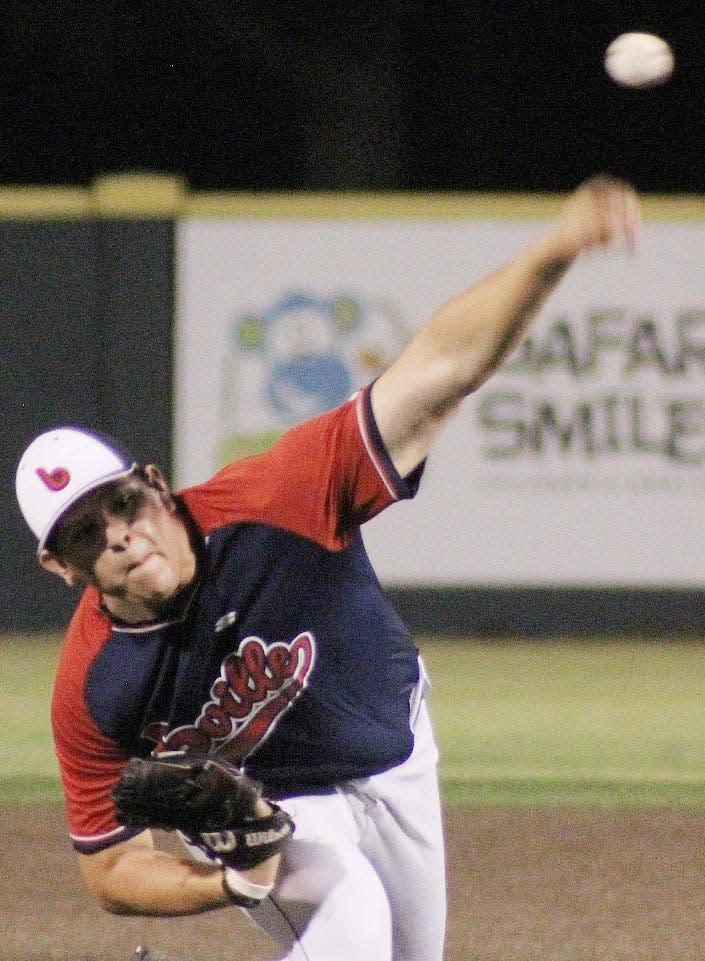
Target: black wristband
[250, 843]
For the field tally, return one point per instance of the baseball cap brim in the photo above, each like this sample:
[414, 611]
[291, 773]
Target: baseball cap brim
[79, 495]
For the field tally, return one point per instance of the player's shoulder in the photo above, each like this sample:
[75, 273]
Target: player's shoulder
[86, 635]
[89, 614]
[255, 487]
[87, 632]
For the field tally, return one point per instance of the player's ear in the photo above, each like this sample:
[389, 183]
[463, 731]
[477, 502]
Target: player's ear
[156, 479]
[52, 564]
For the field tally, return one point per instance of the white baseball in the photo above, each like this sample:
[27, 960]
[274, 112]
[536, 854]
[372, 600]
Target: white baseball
[639, 60]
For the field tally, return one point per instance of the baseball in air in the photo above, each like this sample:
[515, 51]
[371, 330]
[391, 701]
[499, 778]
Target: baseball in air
[639, 60]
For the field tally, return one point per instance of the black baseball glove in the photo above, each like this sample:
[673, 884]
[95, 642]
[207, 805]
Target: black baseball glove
[210, 801]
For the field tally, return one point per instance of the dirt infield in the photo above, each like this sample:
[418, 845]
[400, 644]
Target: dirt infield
[571, 884]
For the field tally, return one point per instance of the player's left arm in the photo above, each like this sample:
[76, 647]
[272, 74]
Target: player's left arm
[136, 878]
[468, 337]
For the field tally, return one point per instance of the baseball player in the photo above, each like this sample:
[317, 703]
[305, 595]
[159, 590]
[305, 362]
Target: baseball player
[240, 621]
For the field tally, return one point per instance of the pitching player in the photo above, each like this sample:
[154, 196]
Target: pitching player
[241, 619]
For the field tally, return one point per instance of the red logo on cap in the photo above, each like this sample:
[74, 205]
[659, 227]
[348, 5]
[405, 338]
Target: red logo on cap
[57, 480]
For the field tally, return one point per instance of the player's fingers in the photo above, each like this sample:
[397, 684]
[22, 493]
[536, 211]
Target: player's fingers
[626, 215]
[633, 219]
[619, 210]
[602, 210]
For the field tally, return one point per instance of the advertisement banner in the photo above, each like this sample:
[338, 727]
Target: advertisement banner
[581, 462]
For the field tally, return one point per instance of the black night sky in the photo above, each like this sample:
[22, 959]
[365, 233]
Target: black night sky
[409, 95]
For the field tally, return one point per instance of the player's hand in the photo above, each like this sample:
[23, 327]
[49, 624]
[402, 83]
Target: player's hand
[214, 804]
[601, 211]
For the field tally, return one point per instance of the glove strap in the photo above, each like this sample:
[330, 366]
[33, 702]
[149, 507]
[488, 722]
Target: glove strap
[244, 893]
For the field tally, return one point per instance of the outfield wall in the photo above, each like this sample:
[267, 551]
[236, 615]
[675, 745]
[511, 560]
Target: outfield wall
[564, 499]
[85, 337]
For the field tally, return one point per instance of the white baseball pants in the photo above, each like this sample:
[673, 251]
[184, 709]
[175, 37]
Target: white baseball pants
[363, 878]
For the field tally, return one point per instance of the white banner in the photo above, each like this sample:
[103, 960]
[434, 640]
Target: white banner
[581, 462]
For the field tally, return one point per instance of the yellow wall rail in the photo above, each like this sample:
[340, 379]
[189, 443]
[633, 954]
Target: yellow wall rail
[135, 195]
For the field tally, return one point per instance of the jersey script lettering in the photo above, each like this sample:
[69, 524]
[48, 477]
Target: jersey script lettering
[257, 683]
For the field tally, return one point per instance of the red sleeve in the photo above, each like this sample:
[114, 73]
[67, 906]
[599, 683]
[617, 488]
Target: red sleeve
[89, 763]
[322, 479]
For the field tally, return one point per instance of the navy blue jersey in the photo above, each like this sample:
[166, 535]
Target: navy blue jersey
[286, 658]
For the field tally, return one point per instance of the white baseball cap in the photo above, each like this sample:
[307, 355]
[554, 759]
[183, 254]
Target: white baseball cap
[61, 466]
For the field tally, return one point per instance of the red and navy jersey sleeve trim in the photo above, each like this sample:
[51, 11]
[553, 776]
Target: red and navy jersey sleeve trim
[97, 842]
[399, 488]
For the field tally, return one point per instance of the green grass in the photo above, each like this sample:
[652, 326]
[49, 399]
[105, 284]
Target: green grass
[569, 721]
[518, 722]
[28, 768]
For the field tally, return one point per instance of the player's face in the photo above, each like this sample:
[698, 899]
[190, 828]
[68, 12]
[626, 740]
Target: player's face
[129, 540]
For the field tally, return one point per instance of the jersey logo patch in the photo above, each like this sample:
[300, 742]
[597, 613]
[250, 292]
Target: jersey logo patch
[258, 682]
[227, 620]
[56, 480]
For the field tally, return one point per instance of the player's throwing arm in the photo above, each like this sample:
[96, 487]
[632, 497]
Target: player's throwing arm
[469, 336]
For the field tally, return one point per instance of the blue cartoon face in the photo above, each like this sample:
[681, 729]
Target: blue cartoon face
[299, 358]
[306, 373]
[308, 384]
